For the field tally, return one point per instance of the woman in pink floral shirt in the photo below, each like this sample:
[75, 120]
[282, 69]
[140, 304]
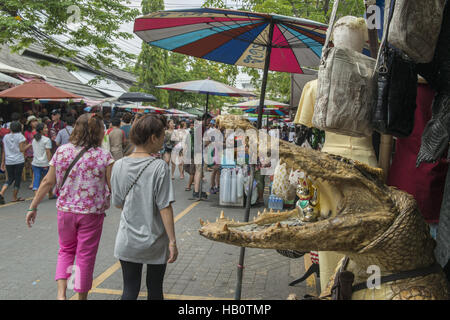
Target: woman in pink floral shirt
[82, 201]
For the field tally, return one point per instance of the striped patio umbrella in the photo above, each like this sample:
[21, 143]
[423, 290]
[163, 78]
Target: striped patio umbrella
[236, 37]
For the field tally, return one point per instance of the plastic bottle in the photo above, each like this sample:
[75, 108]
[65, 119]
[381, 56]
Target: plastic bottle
[233, 197]
[270, 201]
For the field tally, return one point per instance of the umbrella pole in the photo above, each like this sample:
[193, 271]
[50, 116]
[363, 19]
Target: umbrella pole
[201, 174]
[240, 269]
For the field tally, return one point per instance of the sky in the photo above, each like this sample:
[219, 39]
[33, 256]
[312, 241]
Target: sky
[134, 45]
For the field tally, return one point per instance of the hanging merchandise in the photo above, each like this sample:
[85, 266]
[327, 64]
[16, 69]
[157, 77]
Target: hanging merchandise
[396, 78]
[415, 27]
[227, 194]
[427, 182]
[222, 185]
[254, 191]
[240, 184]
[233, 197]
[436, 134]
[346, 87]
[281, 186]
[225, 185]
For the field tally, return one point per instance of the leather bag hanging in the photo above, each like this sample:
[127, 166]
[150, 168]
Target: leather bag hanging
[396, 79]
[415, 27]
[345, 90]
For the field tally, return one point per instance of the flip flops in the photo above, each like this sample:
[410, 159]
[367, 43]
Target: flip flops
[18, 200]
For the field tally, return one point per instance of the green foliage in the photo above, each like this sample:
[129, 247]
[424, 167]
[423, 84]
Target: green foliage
[23, 22]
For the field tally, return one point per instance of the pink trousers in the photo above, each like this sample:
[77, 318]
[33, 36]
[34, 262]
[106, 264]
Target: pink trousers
[79, 237]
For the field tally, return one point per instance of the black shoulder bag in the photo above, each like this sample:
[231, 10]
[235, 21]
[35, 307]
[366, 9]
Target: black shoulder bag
[396, 76]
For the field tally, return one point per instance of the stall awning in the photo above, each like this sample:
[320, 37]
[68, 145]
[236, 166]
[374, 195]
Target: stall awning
[8, 69]
[8, 79]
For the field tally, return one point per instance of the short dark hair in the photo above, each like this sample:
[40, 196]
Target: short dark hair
[70, 120]
[16, 126]
[145, 127]
[115, 122]
[127, 117]
[15, 116]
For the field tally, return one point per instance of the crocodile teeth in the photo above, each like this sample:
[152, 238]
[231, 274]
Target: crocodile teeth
[222, 215]
[202, 223]
[259, 213]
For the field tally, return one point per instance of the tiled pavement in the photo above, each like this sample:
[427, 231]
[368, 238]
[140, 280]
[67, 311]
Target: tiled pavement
[203, 270]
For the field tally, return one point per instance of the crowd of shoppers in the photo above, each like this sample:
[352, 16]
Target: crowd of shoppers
[135, 170]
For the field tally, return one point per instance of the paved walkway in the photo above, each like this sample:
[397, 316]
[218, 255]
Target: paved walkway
[204, 270]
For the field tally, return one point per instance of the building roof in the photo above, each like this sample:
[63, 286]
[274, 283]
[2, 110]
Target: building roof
[58, 75]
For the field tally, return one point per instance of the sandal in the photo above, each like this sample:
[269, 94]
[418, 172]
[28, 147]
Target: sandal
[187, 189]
[18, 200]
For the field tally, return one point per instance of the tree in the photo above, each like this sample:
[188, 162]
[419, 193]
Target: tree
[85, 24]
[152, 66]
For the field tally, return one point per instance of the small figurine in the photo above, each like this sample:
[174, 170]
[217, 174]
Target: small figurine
[308, 203]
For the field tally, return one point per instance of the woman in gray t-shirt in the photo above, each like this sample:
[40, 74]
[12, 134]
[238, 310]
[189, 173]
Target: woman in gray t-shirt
[142, 188]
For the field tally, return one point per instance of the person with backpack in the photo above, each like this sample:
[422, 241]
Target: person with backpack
[142, 188]
[63, 135]
[81, 171]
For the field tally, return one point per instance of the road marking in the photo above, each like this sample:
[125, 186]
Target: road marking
[166, 296]
[13, 203]
[116, 266]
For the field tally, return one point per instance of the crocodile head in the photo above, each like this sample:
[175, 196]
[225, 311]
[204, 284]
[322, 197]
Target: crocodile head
[356, 207]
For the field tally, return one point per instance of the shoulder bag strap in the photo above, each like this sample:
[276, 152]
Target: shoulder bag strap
[137, 178]
[78, 157]
[330, 30]
[382, 67]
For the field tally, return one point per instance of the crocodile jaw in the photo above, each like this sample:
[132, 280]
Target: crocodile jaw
[286, 230]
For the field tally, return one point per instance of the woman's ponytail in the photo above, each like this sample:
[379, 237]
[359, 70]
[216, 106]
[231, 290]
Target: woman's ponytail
[39, 129]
